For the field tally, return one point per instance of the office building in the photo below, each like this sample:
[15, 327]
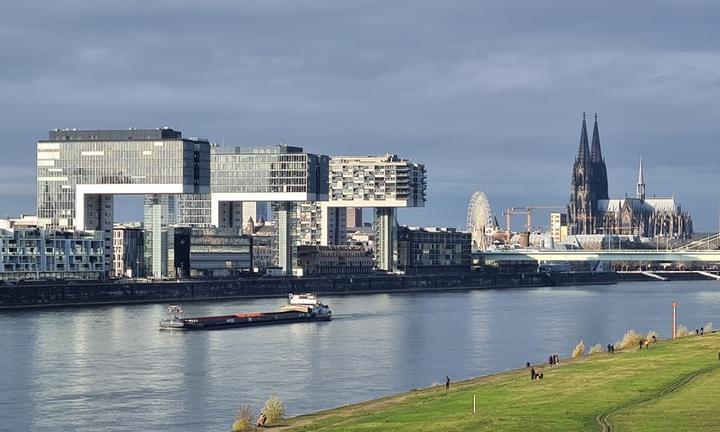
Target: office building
[333, 260]
[79, 172]
[219, 252]
[128, 251]
[282, 175]
[433, 250]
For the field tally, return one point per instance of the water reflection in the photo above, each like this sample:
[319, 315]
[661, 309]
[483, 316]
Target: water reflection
[111, 368]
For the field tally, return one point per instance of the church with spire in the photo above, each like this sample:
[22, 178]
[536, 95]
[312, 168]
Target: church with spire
[591, 211]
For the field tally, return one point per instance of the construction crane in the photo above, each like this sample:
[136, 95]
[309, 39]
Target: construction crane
[525, 211]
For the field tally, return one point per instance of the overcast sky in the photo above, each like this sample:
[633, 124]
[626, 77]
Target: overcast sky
[488, 95]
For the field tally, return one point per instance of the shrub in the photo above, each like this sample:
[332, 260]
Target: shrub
[595, 349]
[708, 328]
[274, 410]
[579, 350]
[243, 420]
[630, 340]
[682, 331]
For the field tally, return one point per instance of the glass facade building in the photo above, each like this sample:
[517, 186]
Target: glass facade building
[79, 172]
[73, 165]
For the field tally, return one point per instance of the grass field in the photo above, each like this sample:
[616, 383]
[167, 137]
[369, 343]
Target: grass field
[672, 386]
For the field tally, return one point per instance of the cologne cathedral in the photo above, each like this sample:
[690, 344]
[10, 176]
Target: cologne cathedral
[591, 211]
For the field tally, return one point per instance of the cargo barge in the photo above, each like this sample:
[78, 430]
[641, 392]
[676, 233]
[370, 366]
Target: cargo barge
[300, 308]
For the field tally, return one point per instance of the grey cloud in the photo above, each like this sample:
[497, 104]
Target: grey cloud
[487, 94]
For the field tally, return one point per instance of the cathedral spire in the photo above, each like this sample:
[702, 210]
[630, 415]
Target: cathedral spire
[584, 150]
[641, 183]
[596, 152]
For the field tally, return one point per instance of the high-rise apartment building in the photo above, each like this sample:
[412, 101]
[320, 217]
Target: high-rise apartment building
[381, 182]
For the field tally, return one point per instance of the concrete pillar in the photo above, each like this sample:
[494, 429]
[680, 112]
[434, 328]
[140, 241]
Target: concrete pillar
[284, 235]
[385, 225]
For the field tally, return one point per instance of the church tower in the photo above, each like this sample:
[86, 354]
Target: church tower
[641, 183]
[580, 208]
[598, 170]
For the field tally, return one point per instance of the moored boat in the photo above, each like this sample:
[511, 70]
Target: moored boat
[299, 308]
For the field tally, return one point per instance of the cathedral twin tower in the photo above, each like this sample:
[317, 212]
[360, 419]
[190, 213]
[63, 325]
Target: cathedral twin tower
[591, 211]
[589, 182]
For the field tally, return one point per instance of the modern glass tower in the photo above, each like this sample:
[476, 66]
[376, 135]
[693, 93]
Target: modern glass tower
[79, 172]
[281, 174]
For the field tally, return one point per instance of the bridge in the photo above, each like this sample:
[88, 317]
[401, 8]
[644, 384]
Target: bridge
[705, 256]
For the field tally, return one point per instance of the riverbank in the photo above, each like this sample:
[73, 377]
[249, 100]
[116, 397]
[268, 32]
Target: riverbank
[671, 386]
[59, 294]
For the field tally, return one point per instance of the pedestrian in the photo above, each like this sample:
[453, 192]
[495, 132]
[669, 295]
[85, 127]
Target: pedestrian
[697, 332]
[532, 373]
[608, 348]
[613, 348]
[654, 339]
[527, 364]
[262, 419]
[540, 375]
[557, 359]
[447, 383]
[551, 360]
[641, 343]
[702, 331]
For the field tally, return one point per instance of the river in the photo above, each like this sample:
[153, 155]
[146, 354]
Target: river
[111, 369]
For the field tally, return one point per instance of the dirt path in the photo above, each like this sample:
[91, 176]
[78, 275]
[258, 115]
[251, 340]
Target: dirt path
[602, 419]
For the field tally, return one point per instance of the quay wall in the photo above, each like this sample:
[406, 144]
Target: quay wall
[57, 294]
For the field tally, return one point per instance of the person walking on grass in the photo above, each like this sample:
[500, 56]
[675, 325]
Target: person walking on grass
[447, 383]
[532, 373]
[641, 343]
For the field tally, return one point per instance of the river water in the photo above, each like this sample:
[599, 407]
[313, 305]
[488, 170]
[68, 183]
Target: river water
[111, 369]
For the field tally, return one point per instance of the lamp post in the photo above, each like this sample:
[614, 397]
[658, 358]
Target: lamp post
[674, 319]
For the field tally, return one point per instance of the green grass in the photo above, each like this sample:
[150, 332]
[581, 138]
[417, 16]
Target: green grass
[568, 398]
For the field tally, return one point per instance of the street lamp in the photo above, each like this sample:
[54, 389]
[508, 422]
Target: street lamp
[674, 319]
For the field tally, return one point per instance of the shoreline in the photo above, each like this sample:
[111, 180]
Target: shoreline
[33, 296]
[589, 382]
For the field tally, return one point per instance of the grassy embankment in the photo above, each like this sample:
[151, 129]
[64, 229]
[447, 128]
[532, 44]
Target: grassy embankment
[673, 386]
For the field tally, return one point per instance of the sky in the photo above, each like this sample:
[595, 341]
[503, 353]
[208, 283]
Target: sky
[488, 95]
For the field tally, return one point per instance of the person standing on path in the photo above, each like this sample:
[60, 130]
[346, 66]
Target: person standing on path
[447, 383]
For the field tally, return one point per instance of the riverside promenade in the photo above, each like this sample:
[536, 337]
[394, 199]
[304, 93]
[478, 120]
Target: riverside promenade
[88, 293]
[674, 385]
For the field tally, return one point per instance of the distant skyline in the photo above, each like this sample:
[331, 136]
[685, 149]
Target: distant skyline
[488, 95]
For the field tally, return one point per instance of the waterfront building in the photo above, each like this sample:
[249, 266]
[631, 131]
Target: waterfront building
[36, 253]
[80, 171]
[128, 251]
[219, 252]
[384, 183]
[558, 227]
[591, 211]
[281, 174]
[333, 260]
[433, 250]
[263, 245]
[159, 213]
